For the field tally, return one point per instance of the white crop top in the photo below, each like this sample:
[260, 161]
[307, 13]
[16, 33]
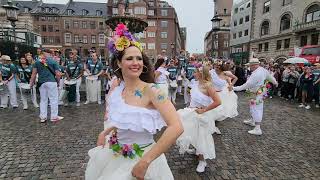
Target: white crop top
[217, 82]
[198, 99]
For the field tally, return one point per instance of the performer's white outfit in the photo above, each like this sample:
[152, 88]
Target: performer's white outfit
[9, 92]
[49, 90]
[256, 86]
[229, 99]
[197, 129]
[162, 80]
[135, 125]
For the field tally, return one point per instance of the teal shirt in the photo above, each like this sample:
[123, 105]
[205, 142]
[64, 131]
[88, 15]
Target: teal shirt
[26, 75]
[316, 74]
[95, 71]
[72, 71]
[7, 70]
[44, 73]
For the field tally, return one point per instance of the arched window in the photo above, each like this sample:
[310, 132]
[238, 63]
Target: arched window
[285, 22]
[265, 28]
[313, 13]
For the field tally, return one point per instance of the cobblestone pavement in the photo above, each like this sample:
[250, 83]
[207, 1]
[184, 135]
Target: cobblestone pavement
[288, 149]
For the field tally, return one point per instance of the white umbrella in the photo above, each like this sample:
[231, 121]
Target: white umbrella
[296, 60]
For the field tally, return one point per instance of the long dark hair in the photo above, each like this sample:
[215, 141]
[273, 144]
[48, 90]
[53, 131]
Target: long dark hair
[147, 74]
[159, 62]
[27, 63]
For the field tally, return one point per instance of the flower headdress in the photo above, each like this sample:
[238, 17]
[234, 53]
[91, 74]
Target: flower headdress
[122, 40]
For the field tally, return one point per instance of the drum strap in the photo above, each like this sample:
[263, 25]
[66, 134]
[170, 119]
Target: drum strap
[94, 67]
[26, 75]
[74, 70]
[54, 75]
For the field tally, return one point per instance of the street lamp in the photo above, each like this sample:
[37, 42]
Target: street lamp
[12, 16]
[172, 50]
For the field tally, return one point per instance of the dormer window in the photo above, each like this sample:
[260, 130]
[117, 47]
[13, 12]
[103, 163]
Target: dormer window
[84, 12]
[69, 12]
[55, 10]
[26, 10]
[99, 13]
[47, 10]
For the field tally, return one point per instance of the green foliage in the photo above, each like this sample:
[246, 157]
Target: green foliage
[7, 48]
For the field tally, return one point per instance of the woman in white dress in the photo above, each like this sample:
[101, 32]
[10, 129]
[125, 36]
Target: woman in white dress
[204, 107]
[137, 109]
[223, 82]
[161, 75]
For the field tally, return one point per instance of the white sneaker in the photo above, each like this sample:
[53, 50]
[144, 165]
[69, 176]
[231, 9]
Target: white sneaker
[301, 105]
[78, 104]
[43, 120]
[249, 122]
[191, 151]
[36, 106]
[87, 102]
[66, 104]
[307, 107]
[201, 166]
[99, 102]
[57, 119]
[256, 131]
[25, 108]
[317, 105]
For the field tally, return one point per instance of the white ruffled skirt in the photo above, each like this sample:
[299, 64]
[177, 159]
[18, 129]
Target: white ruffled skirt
[229, 104]
[104, 165]
[197, 131]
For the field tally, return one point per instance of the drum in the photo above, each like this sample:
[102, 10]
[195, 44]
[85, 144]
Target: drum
[173, 84]
[71, 88]
[24, 85]
[1, 87]
[92, 78]
[92, 86]
[85, 73]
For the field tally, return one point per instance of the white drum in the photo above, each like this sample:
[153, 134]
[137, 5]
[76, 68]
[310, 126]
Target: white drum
[1, 86]
[85, 73]
[92, 78]
[71, 82]
[24, 85]
[179, 78]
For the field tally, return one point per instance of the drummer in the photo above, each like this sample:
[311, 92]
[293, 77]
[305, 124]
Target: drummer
[8, 71]
[29, 58]
[94, 69]
[61, 81]
[23, 77]
[74, 72]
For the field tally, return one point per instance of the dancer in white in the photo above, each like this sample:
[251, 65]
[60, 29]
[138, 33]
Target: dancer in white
[137, 109]
[196, 118]
[161, 75]
[221, 81]
[256, 86]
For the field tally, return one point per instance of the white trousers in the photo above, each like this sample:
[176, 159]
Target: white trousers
[62, 95]
[172, 94]
[10, 91]
[179, 86]
[93, 90]
[49, 90]
[186, 95]
[256, 109]
[61, 91]
[33, 94]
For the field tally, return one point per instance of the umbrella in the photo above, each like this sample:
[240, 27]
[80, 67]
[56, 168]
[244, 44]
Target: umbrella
[296, 60]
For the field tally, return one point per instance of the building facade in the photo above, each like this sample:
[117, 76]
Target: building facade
[278, 26]
[240, 31]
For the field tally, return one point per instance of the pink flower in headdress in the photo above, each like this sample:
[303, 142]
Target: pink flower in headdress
[120, 29]
[252, 102]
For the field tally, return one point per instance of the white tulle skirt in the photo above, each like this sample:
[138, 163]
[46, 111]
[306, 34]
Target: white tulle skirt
[197, 131]
[104, 165]
[229, 104]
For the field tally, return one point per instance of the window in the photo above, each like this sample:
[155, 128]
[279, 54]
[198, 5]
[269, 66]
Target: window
[93, 39]
[115, 1]
[164, 46]
[287, 43]
[226, 36]
[143, 45]
[43, 18]
[264, 28]
[226, 44]
[56, 28]
[47, 10]
[303, 40]
[240, 34]
[285, 22]
[101, 39]
[44, 28]
[234, 35]
[247, 18]
[260, 48]
[246, 32]
[85, 39]
[266, 7]
[151, 4]
[75, 24]
[266, 46]
[55, 19]
[85, 12]
[313, 13]
[49, 18]
[164, 23]
[164, 35]
[235, 23]
[151, 34]
[57, 40]
[140, 10]
[100, 25]
[224, 11]
[130, 11]
[67, 38]
[286, 2]
[84, 25]
[66, 24]
[44, 40]
[92, 25]
[36, 18]
[98, 13]
[76, 38]
[115, 11]
[151, 46]
[279, 44]
[164, 12]
[50, 28]
[241, 21]
[236, 10]
[26, 10]
[151, 12]
[314, 39]
[51, 40]
[151, 23]
[102, 53]
[69, 12]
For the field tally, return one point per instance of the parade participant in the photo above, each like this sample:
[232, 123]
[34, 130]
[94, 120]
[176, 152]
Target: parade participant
[307, 87]
[196, 118]
[161, 75]
[94, 69]
[316, 84]
[256, 84]
[49, 75]
[137, 109]
[223, 82]
[29, 58]
[23, 77]
[173, 75]
[187, 78]
[74, 72]
[37, 56]
[8, 71]
[61, 80]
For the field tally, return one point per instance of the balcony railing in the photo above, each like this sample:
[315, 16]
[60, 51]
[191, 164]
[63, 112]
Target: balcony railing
[306, 26]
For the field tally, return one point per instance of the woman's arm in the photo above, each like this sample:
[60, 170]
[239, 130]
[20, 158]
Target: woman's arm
[233, 77]
[102, 136]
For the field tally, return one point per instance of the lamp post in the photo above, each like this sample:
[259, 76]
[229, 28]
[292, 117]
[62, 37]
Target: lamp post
[172, 50]
[12, 16]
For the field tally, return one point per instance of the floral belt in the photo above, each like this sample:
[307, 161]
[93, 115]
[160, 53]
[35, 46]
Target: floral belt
[126, 150]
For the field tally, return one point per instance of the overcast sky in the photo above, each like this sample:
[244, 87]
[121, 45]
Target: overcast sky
[193, 14]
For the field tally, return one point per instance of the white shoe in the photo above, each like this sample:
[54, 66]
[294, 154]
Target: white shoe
[256, 131]
[201, 166]
[36, 106]
[78, 104]
[317, 106]
[307, 107]
[249, 122]
[301, 105]
[57, 119]
[66, 104]
[43, 120]
[191, 151]
[25, 107]
[99, 102]
[87, 102]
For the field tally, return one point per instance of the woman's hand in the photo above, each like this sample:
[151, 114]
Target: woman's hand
[101, 139]
[200, 110]
[140, 169]
[6, 82]
[230, 87]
